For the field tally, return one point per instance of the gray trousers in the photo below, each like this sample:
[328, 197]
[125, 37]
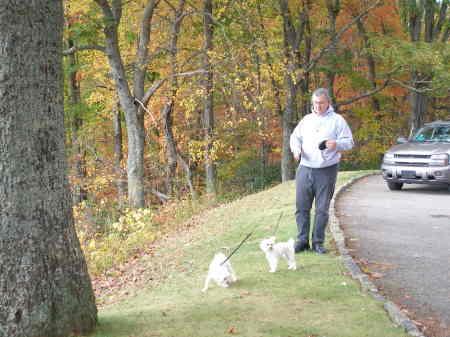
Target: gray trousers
[314, 184]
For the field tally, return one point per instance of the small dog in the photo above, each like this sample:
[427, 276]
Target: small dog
[221, 273]
[274, 251]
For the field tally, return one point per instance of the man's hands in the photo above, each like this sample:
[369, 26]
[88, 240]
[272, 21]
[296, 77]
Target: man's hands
[327, 144]
[331, 144]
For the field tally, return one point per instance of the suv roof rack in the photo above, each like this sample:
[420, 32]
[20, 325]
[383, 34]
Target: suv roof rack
[446, 121]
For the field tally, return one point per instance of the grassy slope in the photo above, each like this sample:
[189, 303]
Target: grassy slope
[319, 299]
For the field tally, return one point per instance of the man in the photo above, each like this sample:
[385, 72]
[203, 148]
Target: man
[316, 142]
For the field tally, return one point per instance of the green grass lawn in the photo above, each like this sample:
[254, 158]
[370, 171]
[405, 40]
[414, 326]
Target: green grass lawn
[318, 299]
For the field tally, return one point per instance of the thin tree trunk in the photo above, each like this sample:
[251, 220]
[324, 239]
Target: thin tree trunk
[208, 112]
[333, 7]
[293, 36]
[171, 150]
[45, 288]
[118, 156]
[189, 176]
[79, 192]
[262, 113]
[130, 104]
[304, 106]
[371, 68]
[428, 17]
[167, 113]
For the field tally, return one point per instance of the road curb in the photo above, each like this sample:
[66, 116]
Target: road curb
[396, 315]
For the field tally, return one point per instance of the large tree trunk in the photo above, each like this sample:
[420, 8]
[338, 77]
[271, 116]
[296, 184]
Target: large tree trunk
[45, 288]
[208, 112]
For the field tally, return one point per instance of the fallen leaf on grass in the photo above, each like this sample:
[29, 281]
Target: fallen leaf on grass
[418, 323]
[376, 275]
[232, 331]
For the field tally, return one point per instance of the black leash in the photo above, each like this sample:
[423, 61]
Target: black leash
[278, 223]
[239, 246]
[246, 238]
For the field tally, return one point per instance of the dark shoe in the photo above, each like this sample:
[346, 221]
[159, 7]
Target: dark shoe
[301, 246]
[319, 249]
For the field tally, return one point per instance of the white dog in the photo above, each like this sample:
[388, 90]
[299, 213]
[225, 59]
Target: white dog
[221, 273]
[274, 251]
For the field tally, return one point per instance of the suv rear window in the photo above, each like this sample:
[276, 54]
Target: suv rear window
[433, 134]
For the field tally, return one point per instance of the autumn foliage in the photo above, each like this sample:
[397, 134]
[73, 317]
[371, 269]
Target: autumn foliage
[252, 60]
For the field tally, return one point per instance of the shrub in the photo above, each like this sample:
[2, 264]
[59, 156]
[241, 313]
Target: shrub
[133, 231]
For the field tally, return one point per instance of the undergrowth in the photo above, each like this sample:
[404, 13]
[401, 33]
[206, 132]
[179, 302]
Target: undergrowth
[107, 243]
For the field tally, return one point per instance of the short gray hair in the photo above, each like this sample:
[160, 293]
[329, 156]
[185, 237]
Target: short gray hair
[322, 92]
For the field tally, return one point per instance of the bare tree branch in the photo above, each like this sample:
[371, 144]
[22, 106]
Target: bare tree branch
[74, 49]
[164, 198]
[143, 49]
[170, 5]
[330, 45]
[365, 95]
[404, 85]
[151, 91]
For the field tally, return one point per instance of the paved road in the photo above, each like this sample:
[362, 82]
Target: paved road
[402, 239]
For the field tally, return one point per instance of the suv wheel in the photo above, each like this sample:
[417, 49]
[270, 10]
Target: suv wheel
[394, 186]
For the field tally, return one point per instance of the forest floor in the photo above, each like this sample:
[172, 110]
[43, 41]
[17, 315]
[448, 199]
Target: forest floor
[158, 293]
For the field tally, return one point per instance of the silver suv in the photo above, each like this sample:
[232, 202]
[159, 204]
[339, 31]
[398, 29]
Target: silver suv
[423, 159]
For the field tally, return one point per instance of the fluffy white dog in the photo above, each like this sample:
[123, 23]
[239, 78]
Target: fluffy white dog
[221, 273]
[275, 251]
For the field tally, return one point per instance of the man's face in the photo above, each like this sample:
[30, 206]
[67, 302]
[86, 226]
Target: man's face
[320, 104]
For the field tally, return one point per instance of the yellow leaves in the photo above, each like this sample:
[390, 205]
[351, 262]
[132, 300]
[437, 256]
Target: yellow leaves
[95, 97]
[200, 150]
[133, 231]
[132, 221]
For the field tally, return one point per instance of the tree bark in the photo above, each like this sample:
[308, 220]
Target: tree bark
[208, 109]
[293, 36]
[118, 156]
[371, 66]
[45, 288]
[333, 7]
[424, 20]
[134, 114]
[167, 113]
